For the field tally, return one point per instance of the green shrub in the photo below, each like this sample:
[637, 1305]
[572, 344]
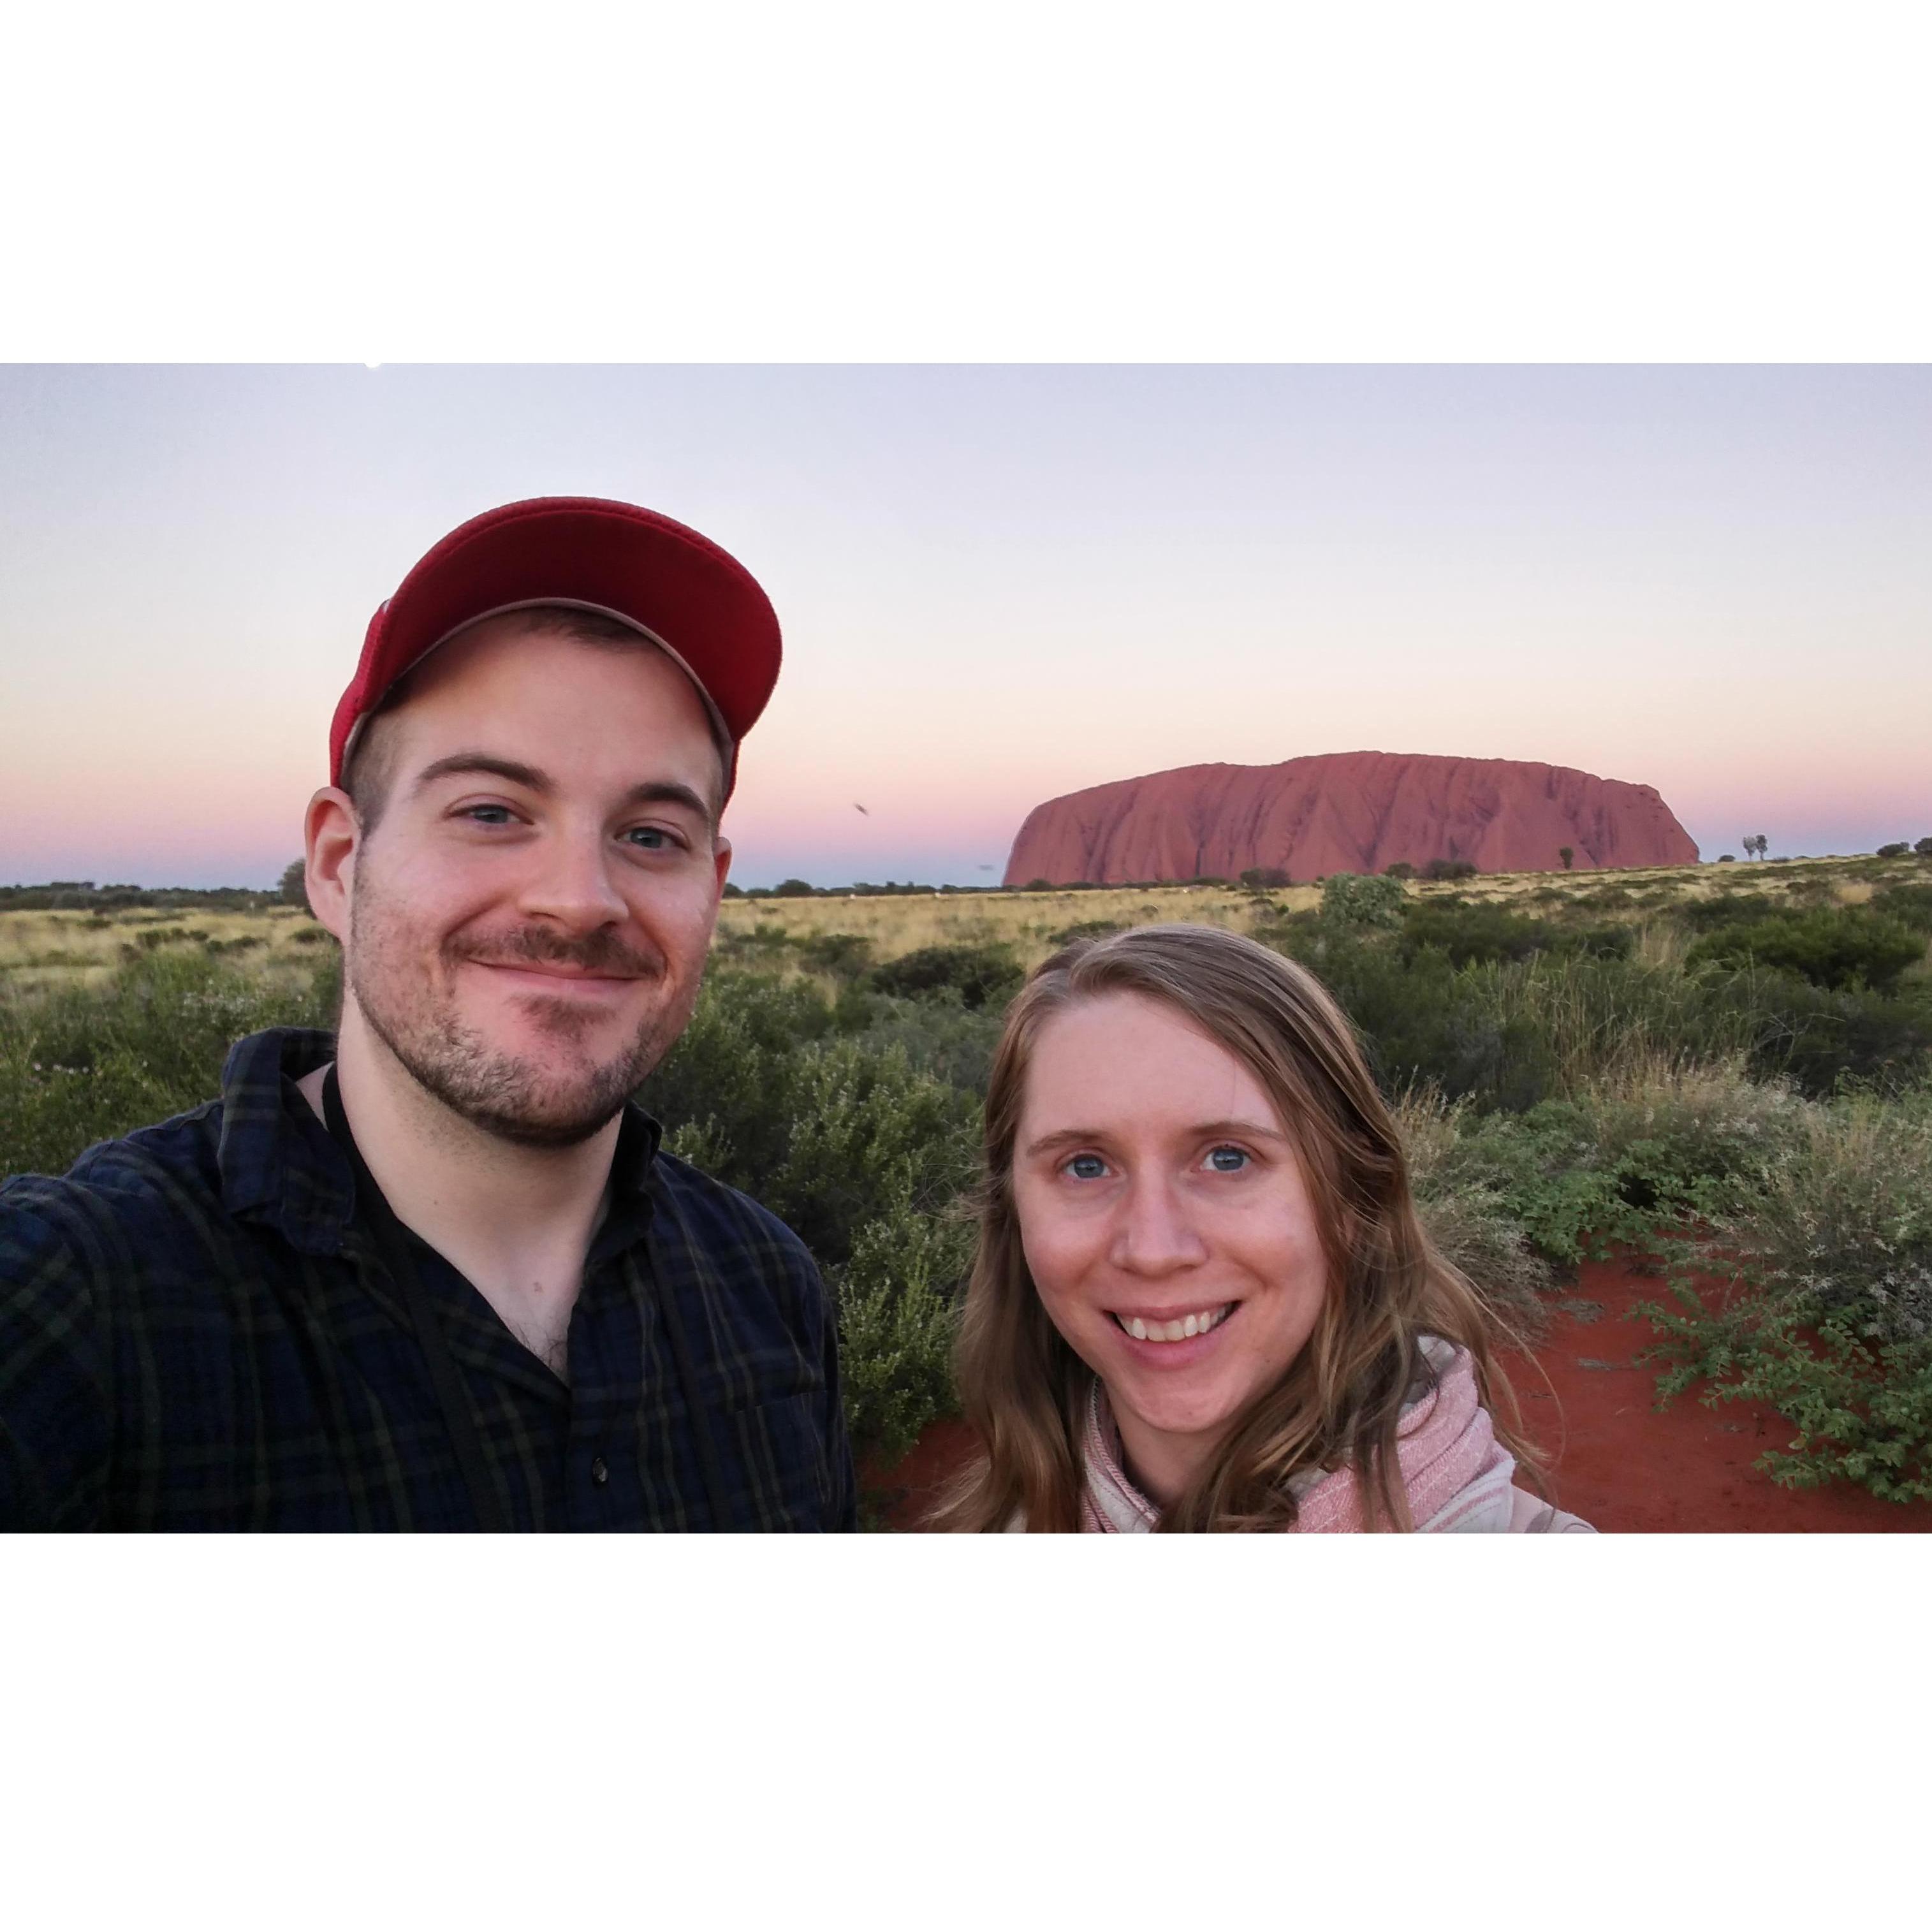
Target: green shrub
[82, 1065]
[1835, 949]
[1086, 928]
[898, 1299]
[843, 955]
[1465, 932]
[1449, 869]
[1812, 1293]
[1910, 906]
[1360, 899]
[981, 976]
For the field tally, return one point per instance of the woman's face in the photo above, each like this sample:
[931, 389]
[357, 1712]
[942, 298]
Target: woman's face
[1167, 1223]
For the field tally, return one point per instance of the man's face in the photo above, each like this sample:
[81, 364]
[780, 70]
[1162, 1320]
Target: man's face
[529, 918]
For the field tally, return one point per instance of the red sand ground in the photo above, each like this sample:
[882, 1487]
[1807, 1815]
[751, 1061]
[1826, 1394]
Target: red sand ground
[1623, 1466]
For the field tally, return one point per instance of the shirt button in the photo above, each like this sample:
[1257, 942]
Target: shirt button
[599, 1473]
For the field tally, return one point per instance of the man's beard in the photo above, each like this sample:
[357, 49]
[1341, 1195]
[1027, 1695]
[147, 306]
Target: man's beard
[501, 1094]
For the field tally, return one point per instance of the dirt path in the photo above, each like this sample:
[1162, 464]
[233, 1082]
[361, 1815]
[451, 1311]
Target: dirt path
[1622, 1465]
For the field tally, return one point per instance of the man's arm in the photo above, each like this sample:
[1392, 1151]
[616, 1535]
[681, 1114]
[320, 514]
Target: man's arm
[54, 1433]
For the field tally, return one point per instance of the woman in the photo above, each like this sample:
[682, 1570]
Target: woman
[1202, 1298]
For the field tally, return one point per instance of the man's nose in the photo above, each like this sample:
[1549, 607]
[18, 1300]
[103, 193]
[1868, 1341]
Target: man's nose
[1155, 1234]
[570, 885]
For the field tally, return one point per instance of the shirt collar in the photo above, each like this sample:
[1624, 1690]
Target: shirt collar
[278, 1165]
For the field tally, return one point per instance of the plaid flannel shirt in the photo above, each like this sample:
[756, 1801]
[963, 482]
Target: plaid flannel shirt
[198, 1331]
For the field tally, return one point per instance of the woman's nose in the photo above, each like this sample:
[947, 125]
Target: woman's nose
[1155, 1234]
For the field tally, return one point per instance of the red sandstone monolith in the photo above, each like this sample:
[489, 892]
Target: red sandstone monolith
[1344, 812]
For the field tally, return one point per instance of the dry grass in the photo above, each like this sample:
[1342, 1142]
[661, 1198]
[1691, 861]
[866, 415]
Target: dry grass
[56, 949]
[51, 950]
[1028, 922]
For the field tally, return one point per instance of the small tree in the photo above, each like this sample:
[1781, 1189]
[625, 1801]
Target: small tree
[1897, 850]
[1568, 853]
[1924, 848]
[293, 889]
[792, 889]
[1401, 869]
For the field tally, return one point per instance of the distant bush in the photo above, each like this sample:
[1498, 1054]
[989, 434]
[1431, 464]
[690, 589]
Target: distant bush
[843, 955]
[1727, 858]
[1837, 949]
[1469, 932]
[1923, 847]
[1449, 869]
[1264, 878]
[1896, 851]
[1086, 928]
[794, 888]
[293, 888]
[981, 976]
[1911, 906]
[1727, 907]
[1359, 899]
[1401, 869]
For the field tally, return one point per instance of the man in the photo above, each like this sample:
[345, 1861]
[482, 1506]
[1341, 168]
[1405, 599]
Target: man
[433, 1271]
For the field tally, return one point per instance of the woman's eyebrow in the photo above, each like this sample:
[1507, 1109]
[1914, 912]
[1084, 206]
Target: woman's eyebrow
[1202, 1130]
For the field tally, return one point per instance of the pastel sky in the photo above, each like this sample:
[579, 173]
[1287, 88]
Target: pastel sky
[998, 584]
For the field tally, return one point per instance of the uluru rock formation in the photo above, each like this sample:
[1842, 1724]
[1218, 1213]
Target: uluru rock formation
[1346, 812]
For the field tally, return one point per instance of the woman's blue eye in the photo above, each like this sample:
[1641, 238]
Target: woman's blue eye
[1227, 1160]
[1086, 1167]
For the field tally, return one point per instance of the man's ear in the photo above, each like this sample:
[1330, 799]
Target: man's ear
[330, 838]
[720, 849]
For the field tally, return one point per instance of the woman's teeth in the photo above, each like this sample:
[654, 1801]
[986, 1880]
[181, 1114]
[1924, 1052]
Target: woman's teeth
[1175, 1331]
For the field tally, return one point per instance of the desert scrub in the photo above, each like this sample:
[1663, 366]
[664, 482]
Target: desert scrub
[1623, 1163]
[832, 1115]
[1813, 1294]
[82, 1065]
[1840, 950]
[1466, 1214]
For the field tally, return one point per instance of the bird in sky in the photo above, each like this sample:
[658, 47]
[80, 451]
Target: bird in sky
[857, 807]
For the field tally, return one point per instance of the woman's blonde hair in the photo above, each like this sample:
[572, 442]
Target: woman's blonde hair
[1024, 1391]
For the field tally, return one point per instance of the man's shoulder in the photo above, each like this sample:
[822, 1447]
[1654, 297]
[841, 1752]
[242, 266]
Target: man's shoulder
[153, 1174]
[727, 1223]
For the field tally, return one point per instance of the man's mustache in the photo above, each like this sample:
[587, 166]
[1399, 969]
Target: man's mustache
[600, 953]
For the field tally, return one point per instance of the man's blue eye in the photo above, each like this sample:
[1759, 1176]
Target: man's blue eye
[650, 837]
[1086, 1167]
[489, 814]
[1227, 1160]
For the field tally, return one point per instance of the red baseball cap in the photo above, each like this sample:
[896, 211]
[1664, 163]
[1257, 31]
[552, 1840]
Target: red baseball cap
[694, 600]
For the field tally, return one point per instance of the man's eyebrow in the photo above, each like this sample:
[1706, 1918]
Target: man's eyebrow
[665, 791]
[459, 763]
[1202, 1130]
